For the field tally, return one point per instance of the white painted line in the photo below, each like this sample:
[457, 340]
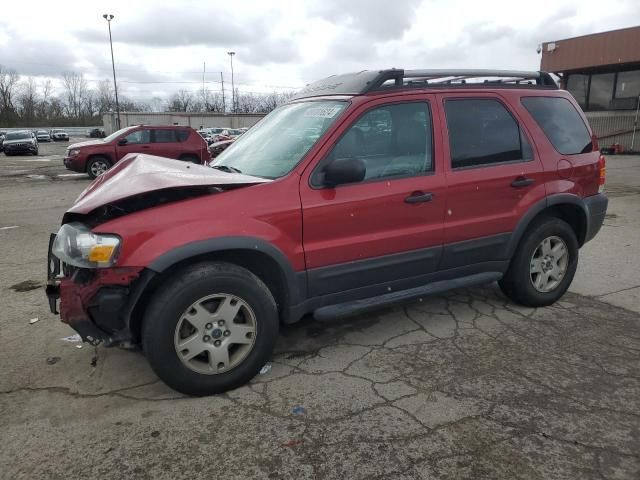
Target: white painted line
[9, 228]
[72, 175]
[39, 160]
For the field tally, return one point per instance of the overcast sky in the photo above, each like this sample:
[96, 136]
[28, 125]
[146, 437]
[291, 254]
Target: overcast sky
[286, 44]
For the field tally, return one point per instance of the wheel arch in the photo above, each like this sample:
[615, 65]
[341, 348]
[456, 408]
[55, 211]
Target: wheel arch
[91, 156]
[568, 207]
[261, 258]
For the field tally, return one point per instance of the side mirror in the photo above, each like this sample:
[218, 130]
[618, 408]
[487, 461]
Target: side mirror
[344, 170]
[122, 141]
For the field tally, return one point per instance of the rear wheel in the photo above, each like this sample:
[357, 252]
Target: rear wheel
[210, 328]
[544, 264]
[97, 166]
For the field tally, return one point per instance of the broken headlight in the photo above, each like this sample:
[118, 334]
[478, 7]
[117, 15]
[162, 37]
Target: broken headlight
[76, 245]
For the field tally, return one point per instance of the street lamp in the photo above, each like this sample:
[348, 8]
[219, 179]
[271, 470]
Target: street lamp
[233, 88]
[108, 17]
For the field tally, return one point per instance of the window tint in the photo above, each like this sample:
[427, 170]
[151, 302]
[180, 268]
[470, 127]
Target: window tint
[139, 136]
[182, 135]
[392, 140]
[561, 123]
[164, 136]
[483, 132]
[578, 86]
[601, 91]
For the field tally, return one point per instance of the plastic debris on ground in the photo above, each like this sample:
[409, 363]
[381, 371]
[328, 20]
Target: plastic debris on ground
[265, 369]
[73, 338]
[298, 410]
[53, 360]
[292, 443]
[78, 346]
[33, 320]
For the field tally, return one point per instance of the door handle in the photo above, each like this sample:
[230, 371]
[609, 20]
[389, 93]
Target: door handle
[419, 197]
[522, 182]
[146, 146]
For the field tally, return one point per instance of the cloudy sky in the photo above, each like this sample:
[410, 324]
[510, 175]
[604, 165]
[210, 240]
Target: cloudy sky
[284, 44]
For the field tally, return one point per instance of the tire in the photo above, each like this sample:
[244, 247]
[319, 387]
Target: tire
[97, 166]
[518, 282]
[170, 310]
[190, 158]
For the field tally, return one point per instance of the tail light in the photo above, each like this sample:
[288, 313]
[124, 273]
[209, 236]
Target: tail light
[602, 173]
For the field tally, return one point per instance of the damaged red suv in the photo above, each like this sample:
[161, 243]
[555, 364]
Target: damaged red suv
[96, 156]
[365, 190]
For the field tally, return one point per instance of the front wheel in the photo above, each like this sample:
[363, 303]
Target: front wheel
[543, 265]
[210, 328]
[97, 166]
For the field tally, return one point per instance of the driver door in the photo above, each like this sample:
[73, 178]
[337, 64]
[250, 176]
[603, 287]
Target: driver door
[138, 141]
[389, 227]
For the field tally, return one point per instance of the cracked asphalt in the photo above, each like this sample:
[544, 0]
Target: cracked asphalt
[459, 386]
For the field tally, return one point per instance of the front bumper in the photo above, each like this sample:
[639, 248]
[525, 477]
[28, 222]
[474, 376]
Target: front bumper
[96, 303]
[74, 164]
[596, 206]
[20, 149]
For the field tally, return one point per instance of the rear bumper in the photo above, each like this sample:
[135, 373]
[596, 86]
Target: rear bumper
[596, 206]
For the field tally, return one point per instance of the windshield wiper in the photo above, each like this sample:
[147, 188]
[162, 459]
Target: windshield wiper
[226, 168]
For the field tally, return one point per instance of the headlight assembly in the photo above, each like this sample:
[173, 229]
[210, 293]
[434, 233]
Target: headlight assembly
[74, 152]
[76, 245]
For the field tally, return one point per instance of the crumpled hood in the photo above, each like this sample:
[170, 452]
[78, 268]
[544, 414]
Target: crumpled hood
[139, 173]
[88, 143]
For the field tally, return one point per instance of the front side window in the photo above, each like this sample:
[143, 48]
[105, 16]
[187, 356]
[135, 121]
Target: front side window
[163, 136]
[279, 141]
[392, 141]
[561, 123]
[483, 132]
[139, 136]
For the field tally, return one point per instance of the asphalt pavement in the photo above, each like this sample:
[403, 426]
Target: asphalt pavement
[462, 385]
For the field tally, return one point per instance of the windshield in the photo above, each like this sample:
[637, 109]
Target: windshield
[274, 146]
[17, 135]
[43, 132]
[115, 135]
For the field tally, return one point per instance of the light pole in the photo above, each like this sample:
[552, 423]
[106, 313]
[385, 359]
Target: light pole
[233, 88]
[108, 17]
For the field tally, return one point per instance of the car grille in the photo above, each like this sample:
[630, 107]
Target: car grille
[17, 145]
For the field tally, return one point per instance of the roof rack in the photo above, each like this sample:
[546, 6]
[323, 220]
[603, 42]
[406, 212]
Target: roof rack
[369, 81]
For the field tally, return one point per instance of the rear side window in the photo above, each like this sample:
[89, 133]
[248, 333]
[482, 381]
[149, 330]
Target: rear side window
[561, 123]
[182, 135]
[164, 136]
[483, 132]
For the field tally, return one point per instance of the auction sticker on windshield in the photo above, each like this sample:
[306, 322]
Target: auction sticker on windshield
[323, 111]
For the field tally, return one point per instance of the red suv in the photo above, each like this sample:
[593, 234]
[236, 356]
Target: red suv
[365, 190]
[96, 156]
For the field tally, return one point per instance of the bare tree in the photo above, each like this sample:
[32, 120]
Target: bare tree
[8, 90]
[75, 88]
[180, 101]
[42, 109]
[106, 97]
[28, 99]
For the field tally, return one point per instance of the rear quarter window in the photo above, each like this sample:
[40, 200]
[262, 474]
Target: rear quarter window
[561, 123]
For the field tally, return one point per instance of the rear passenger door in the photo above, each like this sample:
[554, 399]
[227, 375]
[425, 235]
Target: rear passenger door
[164, 143]
[493, 176]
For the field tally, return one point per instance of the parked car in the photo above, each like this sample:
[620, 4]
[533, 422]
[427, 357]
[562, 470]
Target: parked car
[96, 133]
[2, 134]
[96, 156]
[217, 148]
[59, 135]
[19, 142]
[43, 136]
[461, 182]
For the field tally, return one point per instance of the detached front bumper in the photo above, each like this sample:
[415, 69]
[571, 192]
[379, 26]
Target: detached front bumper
[96, 303]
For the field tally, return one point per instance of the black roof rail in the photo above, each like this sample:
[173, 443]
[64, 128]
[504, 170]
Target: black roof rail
[395, 78]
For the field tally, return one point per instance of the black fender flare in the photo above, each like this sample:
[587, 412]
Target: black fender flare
[296, 282]
[555, 199]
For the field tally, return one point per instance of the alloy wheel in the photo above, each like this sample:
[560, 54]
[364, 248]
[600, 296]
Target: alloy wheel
[215, 334]
[549, 264]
